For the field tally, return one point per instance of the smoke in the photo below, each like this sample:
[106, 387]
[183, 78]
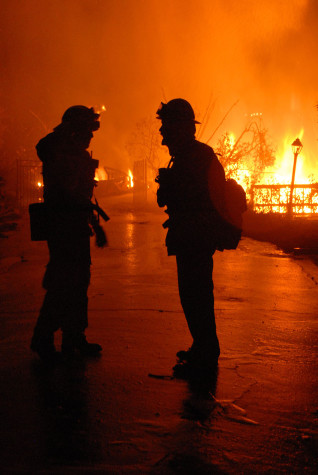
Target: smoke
[131, 54]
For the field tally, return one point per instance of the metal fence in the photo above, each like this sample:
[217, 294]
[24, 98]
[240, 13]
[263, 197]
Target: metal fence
[29, 183]
[275, 199]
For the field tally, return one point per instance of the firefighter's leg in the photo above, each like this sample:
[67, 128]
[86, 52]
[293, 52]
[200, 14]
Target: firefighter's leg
[75, 322]
[197, 300]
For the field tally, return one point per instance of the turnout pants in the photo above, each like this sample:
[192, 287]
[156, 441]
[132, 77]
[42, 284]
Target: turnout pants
[66, 281]
[197, 300]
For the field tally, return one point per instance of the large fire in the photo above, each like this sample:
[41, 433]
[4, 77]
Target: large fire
[281, 172]
[272, 193]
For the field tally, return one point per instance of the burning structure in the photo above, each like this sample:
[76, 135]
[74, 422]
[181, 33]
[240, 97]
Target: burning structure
[111, 181]
[271, 181]
[285, 196]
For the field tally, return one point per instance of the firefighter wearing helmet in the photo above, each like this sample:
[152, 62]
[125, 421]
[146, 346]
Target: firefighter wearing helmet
[192, 189]
[68, 177]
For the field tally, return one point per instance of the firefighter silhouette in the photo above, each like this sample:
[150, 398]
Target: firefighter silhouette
[68, 178]
[192, 188]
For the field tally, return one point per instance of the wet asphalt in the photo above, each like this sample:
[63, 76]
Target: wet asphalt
[124, 412]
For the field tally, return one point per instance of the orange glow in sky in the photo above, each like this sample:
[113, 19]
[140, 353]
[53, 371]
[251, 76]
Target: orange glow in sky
[131, 55]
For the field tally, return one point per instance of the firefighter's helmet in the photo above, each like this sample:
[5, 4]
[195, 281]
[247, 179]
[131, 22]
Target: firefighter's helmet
[81, 117]
[176, 110]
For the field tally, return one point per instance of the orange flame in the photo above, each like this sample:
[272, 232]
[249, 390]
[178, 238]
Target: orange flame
[281, 172]
[305, 200]
[131, 179]
[100, 174]
[276, 198]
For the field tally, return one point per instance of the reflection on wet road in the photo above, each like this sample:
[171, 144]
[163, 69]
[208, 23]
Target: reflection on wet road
[258, 414]
[266, 309]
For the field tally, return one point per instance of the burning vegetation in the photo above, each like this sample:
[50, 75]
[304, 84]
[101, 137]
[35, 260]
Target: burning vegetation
[272, 182]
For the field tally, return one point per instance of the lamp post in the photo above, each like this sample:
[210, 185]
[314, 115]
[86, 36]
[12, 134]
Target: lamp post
[296, 147]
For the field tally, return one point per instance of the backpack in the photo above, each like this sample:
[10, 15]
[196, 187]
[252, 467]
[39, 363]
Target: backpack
[231, 225]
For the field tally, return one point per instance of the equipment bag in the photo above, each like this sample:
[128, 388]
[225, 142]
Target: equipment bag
[38, 221]
[235, 205]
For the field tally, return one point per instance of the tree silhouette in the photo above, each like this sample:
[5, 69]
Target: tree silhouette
[252, 152]
[144, 143]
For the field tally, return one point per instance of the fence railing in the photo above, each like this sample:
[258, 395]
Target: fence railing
[275, 199]
[29, 183]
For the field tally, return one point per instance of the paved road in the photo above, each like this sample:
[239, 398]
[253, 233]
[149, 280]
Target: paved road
[108, 416]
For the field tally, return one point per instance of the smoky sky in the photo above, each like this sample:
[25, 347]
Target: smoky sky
[132, 54]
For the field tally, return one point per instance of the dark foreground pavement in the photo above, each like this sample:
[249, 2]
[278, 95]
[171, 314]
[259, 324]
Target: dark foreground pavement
[109, 416]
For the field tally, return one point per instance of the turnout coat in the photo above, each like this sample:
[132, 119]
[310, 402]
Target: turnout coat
[193, 190]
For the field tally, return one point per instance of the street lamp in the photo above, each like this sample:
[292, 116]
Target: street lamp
[296, 147]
